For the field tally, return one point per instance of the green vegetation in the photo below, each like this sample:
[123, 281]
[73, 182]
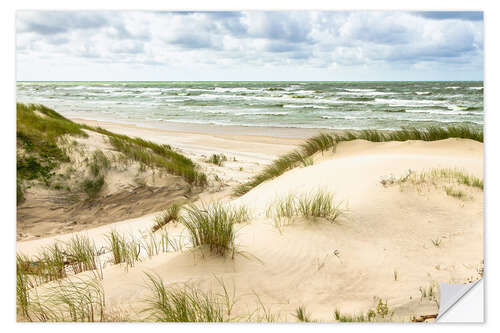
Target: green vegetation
[381, 311]
[212, 226]
[38, 130]
[81, 254]
[123, 250]
[168, 215]
[436, 177]
[155, 155]
[41, 149]
[99, 163]
[217, 159]
[436, 242]
[324, 142]
[319, 204]
[182, 304]
[92, 186]
[453, 176]
[302, 315]
[456, 193]
[69, 301]
[313, 205]
[156, 243]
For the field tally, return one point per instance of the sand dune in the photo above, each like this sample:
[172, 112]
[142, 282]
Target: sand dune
[347, 265]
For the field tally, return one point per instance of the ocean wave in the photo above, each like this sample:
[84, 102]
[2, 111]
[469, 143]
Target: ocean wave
[305, 106]
[273, 114]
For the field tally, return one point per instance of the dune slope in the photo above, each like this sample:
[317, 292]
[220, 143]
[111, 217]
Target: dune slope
[391, 243]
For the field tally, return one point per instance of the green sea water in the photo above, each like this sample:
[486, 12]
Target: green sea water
[329, 105]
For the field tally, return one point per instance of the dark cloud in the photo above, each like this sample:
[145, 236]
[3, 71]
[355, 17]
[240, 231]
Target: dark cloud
[446, 15]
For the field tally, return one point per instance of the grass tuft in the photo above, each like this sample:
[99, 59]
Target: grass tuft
[319, 204]
[123, 250]
[302, 315]
[212, 226]
[168, 215]
[182, 304]
[93, 186]
[217, 159]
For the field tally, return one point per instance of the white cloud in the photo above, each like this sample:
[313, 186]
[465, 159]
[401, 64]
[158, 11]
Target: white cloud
[226, 43]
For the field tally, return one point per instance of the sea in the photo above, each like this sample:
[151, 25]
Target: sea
[324, 105]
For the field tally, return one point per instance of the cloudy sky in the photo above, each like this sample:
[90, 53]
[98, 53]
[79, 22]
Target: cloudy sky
[272, 45]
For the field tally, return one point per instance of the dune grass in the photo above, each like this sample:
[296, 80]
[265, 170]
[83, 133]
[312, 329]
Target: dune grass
[123, 250]
[182, 304]
[155, 155]
[212, 226]
[171, 213]
[217, 159]
[451, 176]
[99, 164]
[325, 141]
[155, 243]
[302, 315]
[42, 131]
[93, 186]
[319, 204]
[68, 301]
[38, 130]
[81, 254]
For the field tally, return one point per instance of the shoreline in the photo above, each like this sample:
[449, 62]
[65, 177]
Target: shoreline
[266, 131]
[254, 144]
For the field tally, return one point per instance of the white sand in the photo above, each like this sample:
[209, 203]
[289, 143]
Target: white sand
[385, 230]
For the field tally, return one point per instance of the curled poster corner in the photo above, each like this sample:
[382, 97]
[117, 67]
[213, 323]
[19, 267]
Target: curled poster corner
[450, 296]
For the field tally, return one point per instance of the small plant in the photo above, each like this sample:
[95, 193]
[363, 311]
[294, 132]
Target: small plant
[92, 187]
[350, 318]
[319, 204]
[99, 163]
[316, 205]
[427, 292]
[382, 308]
[459, 194]
[123, 250]
[212, 226]
[395, 275]
[81, 254]
[182, 304]
[302, 315]
[217, 159]
[168, 215]
[156, 243]
[436, 242]
[70, 301]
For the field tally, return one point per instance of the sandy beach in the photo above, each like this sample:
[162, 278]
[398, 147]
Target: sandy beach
[383, 246]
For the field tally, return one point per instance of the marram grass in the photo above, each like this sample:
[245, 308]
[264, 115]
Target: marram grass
[211, 225]
[183, 303]
[319, 204]
[325, 141]
[171, 213]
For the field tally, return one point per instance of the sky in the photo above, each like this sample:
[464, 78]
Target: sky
[248, 46]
